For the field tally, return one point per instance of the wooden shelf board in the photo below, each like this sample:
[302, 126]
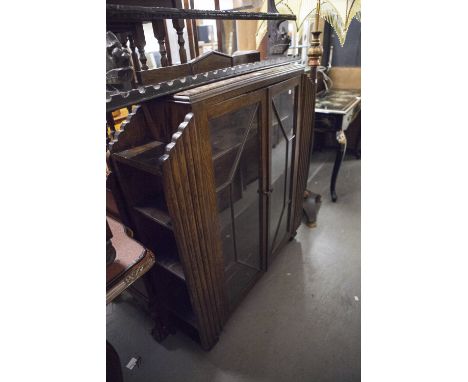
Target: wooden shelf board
[145, 157]
[156, 214]
[171, 264]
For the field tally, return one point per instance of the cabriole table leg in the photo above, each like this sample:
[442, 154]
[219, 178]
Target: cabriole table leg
[341, 138]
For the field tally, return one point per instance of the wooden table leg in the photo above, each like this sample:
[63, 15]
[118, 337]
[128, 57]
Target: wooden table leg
[340, 153]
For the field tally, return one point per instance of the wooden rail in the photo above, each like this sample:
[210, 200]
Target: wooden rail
[135, 13]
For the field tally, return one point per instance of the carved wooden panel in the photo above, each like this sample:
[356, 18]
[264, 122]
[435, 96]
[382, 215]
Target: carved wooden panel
[133, 132]
[189, 189]
[171, 85]
[154, 76]
[209, 61]
[142, 125]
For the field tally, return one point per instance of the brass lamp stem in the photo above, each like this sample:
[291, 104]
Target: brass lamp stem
[315, 51]
[317, 16]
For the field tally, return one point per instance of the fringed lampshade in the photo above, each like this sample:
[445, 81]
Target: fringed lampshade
[338, 13]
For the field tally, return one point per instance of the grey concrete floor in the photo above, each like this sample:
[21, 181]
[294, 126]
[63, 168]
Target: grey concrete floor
[301, 321]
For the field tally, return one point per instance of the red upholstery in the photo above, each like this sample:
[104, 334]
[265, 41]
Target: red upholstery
[129, 252]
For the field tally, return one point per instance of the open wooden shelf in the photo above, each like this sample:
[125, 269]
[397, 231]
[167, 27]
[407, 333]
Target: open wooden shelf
[156, 214]
[175, 298]
[170, 263]
[145, 157]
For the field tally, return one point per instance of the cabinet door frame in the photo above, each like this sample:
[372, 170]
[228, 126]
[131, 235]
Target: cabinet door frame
[272, 91]
[211, 110]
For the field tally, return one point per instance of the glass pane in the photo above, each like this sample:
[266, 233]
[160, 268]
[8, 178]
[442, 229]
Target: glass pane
[281, 143]
[236, 153]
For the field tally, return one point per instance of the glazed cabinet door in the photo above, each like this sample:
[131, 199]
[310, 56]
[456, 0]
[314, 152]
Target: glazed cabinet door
[282, 112]
[238, 147]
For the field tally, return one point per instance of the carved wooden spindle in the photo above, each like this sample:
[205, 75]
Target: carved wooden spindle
[124, 38]
[136, 61]
[140, 43]
[160, 34]
[179, 27]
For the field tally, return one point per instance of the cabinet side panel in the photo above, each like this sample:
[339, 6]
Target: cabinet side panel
[190, 198]
[307, 106]
[205, 183]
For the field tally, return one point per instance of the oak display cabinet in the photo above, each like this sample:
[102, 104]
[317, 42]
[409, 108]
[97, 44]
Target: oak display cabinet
[216, 196]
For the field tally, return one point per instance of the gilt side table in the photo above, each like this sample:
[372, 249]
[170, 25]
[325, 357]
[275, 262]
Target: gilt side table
[132, 262]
